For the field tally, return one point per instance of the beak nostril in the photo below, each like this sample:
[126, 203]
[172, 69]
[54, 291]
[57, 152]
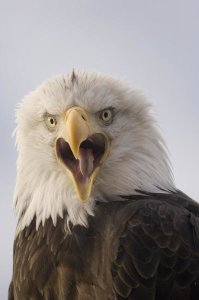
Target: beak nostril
[83, 117]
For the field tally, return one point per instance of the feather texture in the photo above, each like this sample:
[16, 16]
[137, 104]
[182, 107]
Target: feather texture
[144, 247]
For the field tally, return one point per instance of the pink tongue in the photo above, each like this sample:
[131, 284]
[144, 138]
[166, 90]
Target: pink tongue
[86, 160]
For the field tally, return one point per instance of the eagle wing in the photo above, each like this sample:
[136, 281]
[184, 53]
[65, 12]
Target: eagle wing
[158, 254]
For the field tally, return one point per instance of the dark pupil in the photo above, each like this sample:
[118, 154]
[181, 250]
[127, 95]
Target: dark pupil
[105, 115]
[51, 121]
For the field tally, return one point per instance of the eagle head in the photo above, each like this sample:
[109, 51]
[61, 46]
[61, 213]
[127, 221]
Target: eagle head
[84, 137]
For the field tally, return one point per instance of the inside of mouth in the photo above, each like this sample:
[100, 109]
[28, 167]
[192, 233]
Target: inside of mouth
[91, 152]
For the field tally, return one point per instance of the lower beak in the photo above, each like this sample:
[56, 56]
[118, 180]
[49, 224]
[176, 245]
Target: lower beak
[81, 150]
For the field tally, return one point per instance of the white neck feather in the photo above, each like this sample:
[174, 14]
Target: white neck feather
[47, 192]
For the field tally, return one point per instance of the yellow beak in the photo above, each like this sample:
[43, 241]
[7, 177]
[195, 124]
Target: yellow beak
[81, 162]
[77, 128]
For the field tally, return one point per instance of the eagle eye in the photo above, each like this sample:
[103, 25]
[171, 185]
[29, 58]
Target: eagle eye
[106, 115]
[51, 122]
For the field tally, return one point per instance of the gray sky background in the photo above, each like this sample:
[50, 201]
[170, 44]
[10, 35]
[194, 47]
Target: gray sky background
[154, 44]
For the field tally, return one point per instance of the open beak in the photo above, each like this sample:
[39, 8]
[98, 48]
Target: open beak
[81, 150]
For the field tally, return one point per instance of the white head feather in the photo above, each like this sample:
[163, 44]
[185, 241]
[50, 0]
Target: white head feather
[137, 160]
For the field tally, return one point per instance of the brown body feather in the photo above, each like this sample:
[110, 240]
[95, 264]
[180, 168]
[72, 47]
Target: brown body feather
[143, 247]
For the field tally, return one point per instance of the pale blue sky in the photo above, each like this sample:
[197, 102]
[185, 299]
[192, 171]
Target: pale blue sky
[153, 44]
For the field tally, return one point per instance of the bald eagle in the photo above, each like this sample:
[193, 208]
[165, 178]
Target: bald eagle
[99, 216]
